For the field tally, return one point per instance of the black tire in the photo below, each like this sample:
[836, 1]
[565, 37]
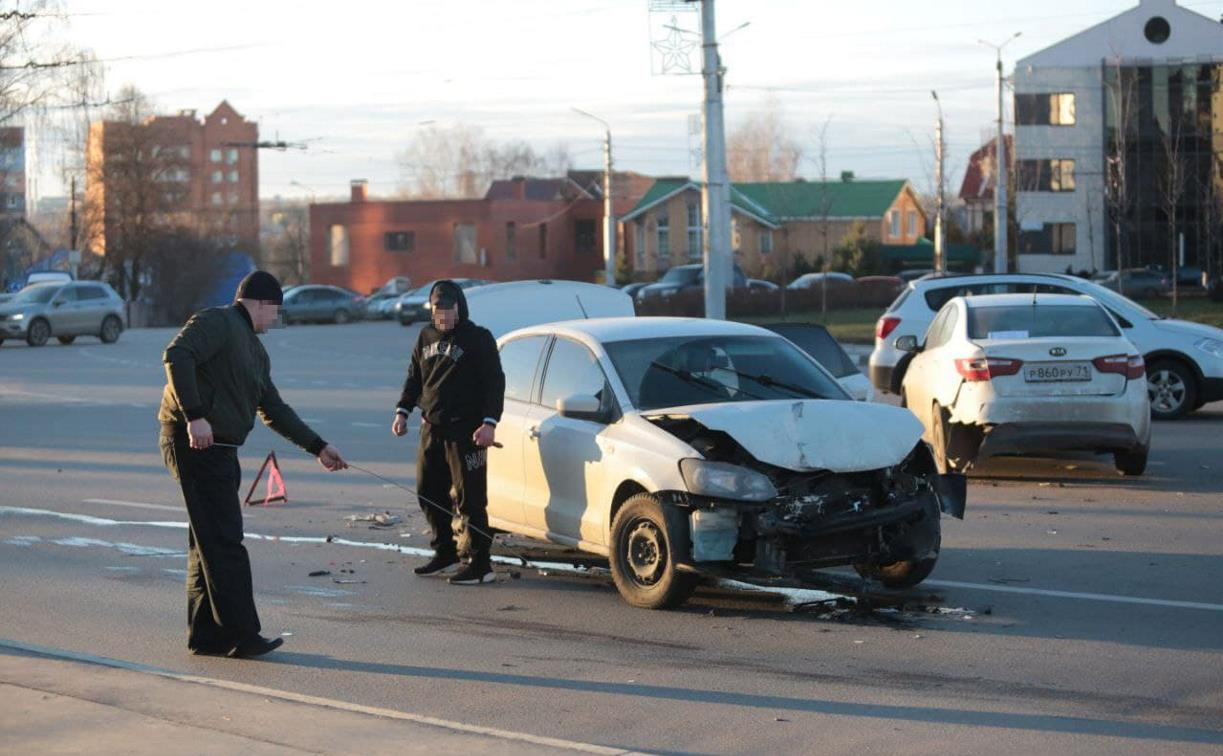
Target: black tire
[38, 333]
[111, 328]
[1172, 388]
[65, 340]
[939, 440]
[904, 399]
[341, 317]
[1131, 462]
[906, 573]
[643, 556]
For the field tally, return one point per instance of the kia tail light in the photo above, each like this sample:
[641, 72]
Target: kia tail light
[1129, 365]
[984, 368]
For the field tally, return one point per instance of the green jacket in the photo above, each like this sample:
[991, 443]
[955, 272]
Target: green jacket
[217, 369]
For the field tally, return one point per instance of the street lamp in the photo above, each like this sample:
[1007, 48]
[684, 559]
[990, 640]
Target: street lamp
[1000, 219]
[609, 219]
[940, 255]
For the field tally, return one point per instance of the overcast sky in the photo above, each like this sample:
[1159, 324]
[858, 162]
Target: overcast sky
[355, 80]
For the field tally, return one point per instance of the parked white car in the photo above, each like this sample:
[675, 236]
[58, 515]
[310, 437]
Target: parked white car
[685, 447]
[1017, 373]
[63, 311]
[1184, 360]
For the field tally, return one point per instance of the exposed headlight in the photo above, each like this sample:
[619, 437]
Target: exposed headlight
[725, 481]
[18, 316]
[1211, 346]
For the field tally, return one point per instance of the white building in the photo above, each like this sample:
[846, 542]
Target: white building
[1159, 68]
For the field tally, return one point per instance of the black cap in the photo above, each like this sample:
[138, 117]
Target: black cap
[261, 285]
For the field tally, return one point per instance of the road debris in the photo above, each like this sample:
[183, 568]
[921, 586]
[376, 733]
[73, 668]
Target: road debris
[376, 520]
[318, 573]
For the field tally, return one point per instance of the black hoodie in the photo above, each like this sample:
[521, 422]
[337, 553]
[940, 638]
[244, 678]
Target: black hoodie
[455, 377]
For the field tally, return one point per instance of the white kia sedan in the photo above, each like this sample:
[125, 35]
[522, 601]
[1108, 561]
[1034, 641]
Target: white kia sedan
[685, 447]
[1028, 373]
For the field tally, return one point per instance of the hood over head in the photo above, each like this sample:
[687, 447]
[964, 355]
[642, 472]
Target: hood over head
[815, 434]
[446, 293]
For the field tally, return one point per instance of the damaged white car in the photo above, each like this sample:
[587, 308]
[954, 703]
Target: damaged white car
[681, 447]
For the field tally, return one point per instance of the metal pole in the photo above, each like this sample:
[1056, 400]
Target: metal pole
[1000, 219]
[609, 218]
[940, 256]
[716, 193]
[72, 216]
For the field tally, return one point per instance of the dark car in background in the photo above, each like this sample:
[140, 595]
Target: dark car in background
[816, 280]
[1138, 283]
[318, 303]
[683, 278]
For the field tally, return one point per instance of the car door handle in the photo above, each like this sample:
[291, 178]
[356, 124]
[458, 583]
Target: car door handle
[533, 432]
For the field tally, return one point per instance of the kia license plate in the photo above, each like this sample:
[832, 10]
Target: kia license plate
[1054, 372]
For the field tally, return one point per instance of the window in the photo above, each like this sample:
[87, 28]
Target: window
[941, 329]
[639, 243]
[233, 198]
[400, 241]
[572, 369]
[90, 292]
[233, 177]
[1039, 322]
[913, 223]
[664, 234]
[695, 242]
[766, 241]
[216, 199]
[214, 156]
[184, 151]
[511, 241]
[339, 245]
[1044, 109]
[894, 217]
[519, 359]
[465, 243]
[231, 155]
[1051, 239]
[1046, 175]
[218, 177]
[543, 240]
[10, 181]
[584, 236]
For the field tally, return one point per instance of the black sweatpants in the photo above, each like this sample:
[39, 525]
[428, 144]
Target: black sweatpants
[220, 596]
[447, 457]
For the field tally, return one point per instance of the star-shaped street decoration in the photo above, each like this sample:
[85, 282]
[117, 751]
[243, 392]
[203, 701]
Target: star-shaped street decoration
[675, 48]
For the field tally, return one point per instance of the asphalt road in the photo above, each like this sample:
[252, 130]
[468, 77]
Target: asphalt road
[1072, 610]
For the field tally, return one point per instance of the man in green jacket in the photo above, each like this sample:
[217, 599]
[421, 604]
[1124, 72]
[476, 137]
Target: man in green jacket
[218, 377]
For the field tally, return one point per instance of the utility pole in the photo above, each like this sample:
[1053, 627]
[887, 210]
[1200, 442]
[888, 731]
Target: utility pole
[940, 254]
[1000, 204]
[72, 227]
[715, 197]
[609, 216]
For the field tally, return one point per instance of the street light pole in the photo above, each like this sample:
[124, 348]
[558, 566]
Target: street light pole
[940, 253]
[1000, 203]
[609, 216]
[716, 193]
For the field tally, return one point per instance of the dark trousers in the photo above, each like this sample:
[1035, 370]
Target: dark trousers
[447, 457]
[220, 596]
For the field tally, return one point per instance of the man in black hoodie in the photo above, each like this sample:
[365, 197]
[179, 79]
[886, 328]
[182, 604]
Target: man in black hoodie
[455, 378]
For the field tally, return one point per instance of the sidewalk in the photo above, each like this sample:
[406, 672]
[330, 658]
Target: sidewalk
[66, 705]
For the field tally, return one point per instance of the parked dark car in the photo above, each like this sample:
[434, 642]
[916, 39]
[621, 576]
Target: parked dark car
[317, 303]
[686, 278]
[815, 280]
[761, 286]
[633, 288]
[1137, 283]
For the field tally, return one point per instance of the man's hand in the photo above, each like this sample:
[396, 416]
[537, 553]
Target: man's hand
[330, 458]
[399, 425]
[485, 435]
[200, 433]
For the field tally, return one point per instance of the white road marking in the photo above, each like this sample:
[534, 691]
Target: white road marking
[1103, 597]
[366, 425]
[328, 703]
[137, 504]
[41, 395]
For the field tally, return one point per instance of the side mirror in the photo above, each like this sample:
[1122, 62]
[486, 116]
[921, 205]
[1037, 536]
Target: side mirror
[906, 343]
[579, 406]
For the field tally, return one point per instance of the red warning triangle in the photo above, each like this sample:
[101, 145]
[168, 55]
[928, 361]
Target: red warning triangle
[276, 483]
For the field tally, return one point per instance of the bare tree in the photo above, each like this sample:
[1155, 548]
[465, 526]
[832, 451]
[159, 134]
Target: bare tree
[825, 210]
[459, 161]
[1119, 93]
[762, 148]
[1171, 182]
[286, 252]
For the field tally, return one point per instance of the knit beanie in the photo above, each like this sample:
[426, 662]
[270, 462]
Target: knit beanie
[261, 285]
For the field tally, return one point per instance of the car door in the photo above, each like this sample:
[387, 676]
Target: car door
[563, 458]
[94, 304]
[520, 360]
[917, 380]
[63, 313]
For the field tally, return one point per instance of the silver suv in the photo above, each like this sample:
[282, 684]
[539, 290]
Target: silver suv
[65, 311]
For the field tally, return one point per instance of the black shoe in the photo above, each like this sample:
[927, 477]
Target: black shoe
[474, 574]
[209, 650]
[256, 645]
[438, 563]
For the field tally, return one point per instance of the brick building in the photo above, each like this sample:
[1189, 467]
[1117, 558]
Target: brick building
[12, 172]
[522, 228]
[206, 172]
[788, 219]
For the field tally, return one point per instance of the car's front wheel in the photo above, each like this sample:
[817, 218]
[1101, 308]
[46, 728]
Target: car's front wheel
[38, 333]
[643, 555]
[1172, 389]
[111, 328]
[906, 573]
[340, 317]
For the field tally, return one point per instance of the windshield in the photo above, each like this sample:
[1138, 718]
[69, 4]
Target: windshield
[34, 295]
[1027, 321]
[680, 275]
[682, 370]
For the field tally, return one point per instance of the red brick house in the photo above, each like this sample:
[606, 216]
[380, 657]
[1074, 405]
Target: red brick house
[522, 228]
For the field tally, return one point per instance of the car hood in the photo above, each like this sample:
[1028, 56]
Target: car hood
[1200, 330]
[9, 308]
[814, 434]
